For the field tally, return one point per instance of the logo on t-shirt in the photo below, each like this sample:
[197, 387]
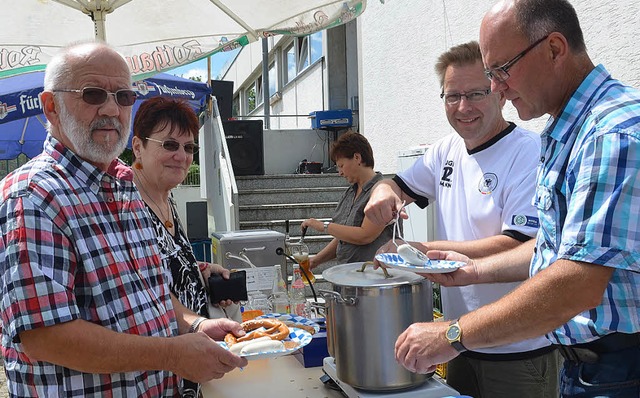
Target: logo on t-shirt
[488, 183]
[447, 171]
[526, 221]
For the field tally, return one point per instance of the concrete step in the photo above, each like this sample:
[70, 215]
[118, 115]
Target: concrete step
[289, 195]
[286, 211]
[315, 243]
[290, 181]
[280, 226]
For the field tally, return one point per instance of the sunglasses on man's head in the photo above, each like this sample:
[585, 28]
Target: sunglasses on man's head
[172, 146]
[98, 96]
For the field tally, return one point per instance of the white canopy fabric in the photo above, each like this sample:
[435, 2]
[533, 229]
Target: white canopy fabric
[156, 35]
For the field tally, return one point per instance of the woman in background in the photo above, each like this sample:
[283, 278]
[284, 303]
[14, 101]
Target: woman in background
[355, 238]
[163, 145]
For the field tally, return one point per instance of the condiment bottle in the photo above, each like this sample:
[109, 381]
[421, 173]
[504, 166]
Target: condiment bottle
[299, 305]
[279, 297]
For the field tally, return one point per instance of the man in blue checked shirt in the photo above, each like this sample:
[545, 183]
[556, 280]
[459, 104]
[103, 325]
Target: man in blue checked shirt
[582, 273]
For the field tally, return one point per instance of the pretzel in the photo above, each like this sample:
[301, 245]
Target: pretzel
[275, 330]
[308, 328]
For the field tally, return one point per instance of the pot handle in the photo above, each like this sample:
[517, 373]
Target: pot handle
[319, 307]
[384, 270]
[330, 294]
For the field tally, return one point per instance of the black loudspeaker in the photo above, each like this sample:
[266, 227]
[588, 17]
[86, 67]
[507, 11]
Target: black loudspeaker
[197, 227]
[223, 91]
[246, 148]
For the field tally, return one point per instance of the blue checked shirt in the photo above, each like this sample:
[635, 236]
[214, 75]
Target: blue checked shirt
[588, 199]
[77, 243]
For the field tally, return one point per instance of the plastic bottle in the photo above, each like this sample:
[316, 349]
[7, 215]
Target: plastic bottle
[299, 305]
[279, 297]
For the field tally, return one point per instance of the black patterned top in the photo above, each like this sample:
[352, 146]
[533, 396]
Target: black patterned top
[176, 251]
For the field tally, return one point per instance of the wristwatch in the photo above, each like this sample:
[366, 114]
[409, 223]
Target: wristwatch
[454, 334]
[326, 226]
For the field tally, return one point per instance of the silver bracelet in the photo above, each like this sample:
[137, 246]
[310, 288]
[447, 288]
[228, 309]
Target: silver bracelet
[194, 326]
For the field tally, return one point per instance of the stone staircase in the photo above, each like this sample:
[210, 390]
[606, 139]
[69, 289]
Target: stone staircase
[265, 202]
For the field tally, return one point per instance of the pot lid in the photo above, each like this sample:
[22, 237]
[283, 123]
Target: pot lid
[350, 275]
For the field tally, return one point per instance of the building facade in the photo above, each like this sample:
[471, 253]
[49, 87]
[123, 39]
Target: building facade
[382, 67]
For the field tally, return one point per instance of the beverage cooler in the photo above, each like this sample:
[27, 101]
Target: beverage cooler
[420, 226]
[258, 245]
[238, 250]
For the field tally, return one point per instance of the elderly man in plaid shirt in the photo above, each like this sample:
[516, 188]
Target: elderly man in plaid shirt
[85, 308]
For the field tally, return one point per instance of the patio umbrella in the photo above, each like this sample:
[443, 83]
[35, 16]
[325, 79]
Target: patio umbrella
[153, 35]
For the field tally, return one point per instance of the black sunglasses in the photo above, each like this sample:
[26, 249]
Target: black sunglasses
[172, 146]
[98, 96]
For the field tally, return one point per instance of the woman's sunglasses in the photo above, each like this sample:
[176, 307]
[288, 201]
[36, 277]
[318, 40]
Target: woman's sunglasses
[98, 96]
[172, 146]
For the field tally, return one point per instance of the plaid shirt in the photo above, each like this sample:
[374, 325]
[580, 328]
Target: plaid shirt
[588, 198]
[77, 243]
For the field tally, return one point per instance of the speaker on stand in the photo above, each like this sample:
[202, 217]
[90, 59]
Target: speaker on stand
[223, 91]
[246, 146]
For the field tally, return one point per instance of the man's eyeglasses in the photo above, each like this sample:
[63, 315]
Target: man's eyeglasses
[501, 73]
[98, 96]
[172, 146]
[473, 96]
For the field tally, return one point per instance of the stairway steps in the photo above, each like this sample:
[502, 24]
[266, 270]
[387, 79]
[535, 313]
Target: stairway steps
[291, 195]
[280, 226]
[286, 211]
[266, 202]
[290, 181]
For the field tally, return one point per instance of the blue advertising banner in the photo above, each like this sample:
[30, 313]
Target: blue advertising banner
[23, 125]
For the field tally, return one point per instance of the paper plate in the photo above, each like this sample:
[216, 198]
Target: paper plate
[394, 260]
[302, 337]
[292, 318]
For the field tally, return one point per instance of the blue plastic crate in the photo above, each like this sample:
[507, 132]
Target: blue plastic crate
[202, 250]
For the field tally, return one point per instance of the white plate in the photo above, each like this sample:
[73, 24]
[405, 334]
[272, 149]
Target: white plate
[302, 337]
[292, 318]
[394, 260]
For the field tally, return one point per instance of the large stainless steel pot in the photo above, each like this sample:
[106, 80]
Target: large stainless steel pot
[366, 312]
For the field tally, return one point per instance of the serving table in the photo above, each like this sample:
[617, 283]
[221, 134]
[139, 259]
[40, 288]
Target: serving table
[278, 377]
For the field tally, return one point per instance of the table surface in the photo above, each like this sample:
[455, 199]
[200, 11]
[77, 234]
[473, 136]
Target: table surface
[280, 377]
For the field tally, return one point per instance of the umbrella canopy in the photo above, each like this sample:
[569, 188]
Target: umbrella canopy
[22, 123]
[153, 35]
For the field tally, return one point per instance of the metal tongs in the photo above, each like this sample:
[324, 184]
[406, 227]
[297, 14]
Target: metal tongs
[408, 253]
[396, 225]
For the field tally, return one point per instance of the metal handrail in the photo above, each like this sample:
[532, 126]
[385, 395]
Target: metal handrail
[217, 180]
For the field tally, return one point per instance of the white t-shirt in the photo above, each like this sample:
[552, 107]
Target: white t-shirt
[478, 195]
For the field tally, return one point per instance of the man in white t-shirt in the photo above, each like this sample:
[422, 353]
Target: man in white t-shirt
[482, 182]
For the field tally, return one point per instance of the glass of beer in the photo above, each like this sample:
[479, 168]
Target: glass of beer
[300, 252]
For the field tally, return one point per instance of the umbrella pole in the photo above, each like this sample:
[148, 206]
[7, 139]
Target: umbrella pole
[98, 25]
[266, 107]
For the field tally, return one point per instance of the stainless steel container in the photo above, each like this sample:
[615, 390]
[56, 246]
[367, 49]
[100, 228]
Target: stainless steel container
[259, 245]
[366, 312]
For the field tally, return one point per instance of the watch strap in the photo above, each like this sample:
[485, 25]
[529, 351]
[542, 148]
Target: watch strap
[194, 326]
[458, 346]
[456, 343]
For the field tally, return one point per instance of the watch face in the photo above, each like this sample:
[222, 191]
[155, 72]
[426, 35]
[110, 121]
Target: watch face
[453, 333]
